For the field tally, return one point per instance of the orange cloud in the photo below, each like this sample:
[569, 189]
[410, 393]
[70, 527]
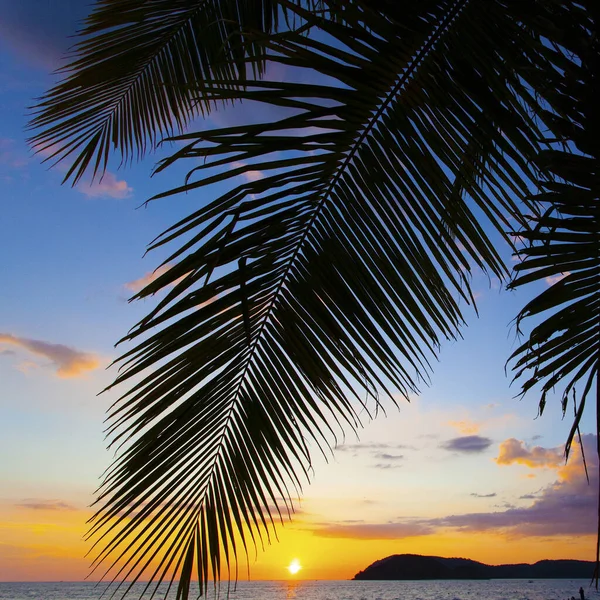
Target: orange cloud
[465, 426]
[573, 470]
[69, 362]
[567, 507]
[107, 185]
[515, 451]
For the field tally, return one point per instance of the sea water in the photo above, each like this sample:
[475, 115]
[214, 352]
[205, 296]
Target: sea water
[495, 589]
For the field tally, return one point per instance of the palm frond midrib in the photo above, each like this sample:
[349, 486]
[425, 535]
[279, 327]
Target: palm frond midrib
[271, 306]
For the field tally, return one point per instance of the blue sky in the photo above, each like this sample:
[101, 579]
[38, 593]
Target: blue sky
[72, 257]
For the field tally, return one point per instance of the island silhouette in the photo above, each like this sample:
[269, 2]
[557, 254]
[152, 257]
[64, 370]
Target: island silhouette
[416, 566]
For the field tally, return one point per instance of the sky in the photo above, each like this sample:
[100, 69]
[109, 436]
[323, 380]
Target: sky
[464, 469]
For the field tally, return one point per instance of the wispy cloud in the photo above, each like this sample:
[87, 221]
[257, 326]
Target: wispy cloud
[468, 444]
[386, 456]
[374, 531]
[68, 362]
[34, 504]
[514, 451]
[466, 427]
[26, 366]
[250, 174]
[552, 279]
[106, 186]
[47, 152]
[566, 507]
[139, 284]
[371, 447]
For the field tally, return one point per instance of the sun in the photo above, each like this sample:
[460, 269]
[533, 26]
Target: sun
[294, 566]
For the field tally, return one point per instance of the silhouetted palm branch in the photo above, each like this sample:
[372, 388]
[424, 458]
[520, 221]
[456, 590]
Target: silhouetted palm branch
[133, 77]
[563, 241]
[308, 292]
[563, 245]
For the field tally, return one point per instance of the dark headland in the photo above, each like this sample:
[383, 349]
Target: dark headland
[415, 566]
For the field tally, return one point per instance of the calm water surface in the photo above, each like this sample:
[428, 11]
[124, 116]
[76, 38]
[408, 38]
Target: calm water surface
[516, 589]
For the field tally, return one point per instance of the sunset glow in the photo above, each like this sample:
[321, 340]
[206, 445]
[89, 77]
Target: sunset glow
[460, 469]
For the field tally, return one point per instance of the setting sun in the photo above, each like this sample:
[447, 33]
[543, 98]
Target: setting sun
[294, 566]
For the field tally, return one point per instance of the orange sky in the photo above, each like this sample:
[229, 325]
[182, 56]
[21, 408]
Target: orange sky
[508, 501]
[44, 540]
[50, 547]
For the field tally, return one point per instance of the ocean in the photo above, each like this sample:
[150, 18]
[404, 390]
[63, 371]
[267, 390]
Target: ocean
[495, 589]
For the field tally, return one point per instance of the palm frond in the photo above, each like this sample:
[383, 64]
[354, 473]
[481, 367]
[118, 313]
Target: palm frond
[563, 242]
[335, 275]
[133, 75]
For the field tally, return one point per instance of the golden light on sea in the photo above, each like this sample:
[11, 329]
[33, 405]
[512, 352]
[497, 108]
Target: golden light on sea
[294, 566]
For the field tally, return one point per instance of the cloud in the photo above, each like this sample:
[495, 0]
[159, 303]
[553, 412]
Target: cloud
[352, 521]
[566, 507]
[107, 185]
[515, 451]
[468, 444]
[465, 426]
[371, 447]
[552, 279]
[33, 504]
[25, 366]
[250, 174]
[386, 456]
[7, 352]
[374, 531]
[139, 284]
[385, 466]
[69, 362]
[504, 505]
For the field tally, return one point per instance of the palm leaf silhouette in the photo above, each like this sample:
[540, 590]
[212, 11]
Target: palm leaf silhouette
[132, 77]
[563, 241]
[299, 298]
